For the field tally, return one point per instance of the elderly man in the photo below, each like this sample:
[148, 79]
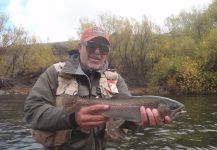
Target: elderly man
[85, 74]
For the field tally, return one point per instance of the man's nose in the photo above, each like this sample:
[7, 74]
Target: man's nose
[97, 51]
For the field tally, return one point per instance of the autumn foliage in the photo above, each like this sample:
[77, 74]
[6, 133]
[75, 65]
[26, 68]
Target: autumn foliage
[180, 58]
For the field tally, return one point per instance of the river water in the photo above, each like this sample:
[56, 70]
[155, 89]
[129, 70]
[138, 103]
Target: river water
[196, 130]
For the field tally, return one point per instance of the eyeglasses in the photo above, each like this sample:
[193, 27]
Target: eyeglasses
[91, 47]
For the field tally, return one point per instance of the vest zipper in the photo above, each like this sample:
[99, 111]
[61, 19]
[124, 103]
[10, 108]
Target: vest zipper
[90, 83]
[90, 79]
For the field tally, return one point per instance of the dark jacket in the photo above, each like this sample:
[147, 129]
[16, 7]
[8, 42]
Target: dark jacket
[41, 113]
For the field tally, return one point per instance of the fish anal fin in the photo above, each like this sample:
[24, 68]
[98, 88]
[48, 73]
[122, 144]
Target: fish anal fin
[113, 130]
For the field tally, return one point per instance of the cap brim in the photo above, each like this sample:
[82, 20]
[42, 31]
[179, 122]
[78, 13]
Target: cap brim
[92, 37]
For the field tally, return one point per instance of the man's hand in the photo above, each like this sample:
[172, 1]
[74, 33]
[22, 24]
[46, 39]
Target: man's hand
[87, 117]
[151, 117]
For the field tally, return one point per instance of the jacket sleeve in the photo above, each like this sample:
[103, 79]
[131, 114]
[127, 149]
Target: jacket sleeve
[39, 107]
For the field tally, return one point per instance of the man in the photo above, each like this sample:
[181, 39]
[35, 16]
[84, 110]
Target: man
[84, 74]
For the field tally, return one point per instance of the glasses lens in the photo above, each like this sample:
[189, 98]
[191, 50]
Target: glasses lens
[104, 49]
[92, 46]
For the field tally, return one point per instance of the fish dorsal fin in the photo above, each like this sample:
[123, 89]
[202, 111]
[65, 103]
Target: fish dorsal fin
[120, 95]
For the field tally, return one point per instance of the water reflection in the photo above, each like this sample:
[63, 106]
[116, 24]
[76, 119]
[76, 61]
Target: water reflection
[196, 130]
[14, 134]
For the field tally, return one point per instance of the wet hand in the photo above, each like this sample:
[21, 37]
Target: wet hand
[89, 117]
[151, 117]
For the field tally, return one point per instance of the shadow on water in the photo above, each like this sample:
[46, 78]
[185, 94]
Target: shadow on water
[195, 130]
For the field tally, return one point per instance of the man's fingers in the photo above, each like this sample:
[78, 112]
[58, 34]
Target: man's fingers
[144, 118]
[151, 118]
[156, 116]
[167, 119]
[88, 117]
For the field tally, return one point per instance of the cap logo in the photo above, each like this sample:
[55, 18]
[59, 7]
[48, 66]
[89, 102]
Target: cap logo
[98, 31]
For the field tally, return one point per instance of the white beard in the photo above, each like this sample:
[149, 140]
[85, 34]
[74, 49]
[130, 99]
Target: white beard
[94, 66]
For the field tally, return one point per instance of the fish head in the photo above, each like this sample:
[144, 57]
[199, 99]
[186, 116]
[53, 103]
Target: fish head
[170, 107]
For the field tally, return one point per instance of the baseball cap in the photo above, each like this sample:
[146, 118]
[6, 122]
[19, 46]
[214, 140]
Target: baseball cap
[92, 32]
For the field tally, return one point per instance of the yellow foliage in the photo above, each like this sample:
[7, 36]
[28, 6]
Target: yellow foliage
[40, 58]
[190, 74]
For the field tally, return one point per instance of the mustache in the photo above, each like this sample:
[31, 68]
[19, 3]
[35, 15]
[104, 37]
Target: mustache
[95, 56]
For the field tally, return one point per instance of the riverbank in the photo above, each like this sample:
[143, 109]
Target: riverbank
[21, 90]
[24, 90]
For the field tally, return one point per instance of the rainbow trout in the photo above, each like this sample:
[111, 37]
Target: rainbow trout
[128, 108]
[123, 109]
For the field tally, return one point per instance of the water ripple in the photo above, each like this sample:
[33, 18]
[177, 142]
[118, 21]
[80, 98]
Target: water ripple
[197, 130]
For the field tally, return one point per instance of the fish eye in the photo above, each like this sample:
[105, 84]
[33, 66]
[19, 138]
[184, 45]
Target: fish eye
[173, 107]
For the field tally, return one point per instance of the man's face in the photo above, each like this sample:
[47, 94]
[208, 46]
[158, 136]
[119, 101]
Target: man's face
[93, 53]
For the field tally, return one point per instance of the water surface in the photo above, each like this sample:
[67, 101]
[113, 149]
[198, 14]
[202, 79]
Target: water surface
[194, 131]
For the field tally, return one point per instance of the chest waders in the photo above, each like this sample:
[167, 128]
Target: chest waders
[67, 84]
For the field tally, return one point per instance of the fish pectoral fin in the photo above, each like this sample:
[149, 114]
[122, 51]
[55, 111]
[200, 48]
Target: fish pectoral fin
[116, 134]
[113, 130]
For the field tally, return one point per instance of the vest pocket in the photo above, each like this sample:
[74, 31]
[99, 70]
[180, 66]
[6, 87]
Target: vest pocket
[47, 139]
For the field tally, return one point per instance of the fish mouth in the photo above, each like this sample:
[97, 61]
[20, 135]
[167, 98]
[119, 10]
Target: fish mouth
[178, 112]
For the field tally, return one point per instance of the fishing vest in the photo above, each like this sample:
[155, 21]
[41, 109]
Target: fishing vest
[67, 84]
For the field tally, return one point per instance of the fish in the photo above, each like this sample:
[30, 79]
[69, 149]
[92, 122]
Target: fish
[128, 107]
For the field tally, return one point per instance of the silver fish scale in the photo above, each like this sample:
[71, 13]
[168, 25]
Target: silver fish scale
[126, 112]
[129, 108]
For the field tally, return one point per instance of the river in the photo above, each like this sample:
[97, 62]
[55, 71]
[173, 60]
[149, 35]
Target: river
[195, 130]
